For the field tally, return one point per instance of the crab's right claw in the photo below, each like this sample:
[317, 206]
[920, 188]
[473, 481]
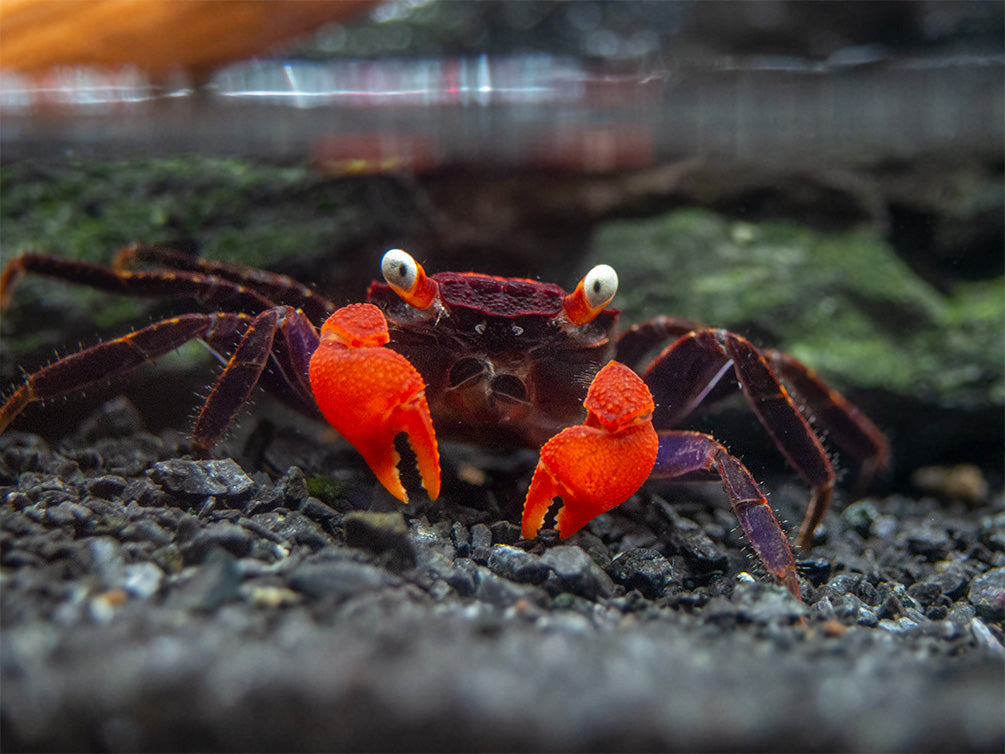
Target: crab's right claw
[370, 394]
[598, 465]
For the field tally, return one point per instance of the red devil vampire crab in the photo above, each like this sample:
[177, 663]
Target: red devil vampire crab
[480, 359]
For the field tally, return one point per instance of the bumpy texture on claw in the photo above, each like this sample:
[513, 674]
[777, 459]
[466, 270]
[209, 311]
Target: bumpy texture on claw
[598, 465]
[370, 394]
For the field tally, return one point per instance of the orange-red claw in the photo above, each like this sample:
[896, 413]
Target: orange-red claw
[370, 394]
[597, 465]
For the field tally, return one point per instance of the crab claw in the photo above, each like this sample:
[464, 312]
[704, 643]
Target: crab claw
[598, 465]
[370, 394]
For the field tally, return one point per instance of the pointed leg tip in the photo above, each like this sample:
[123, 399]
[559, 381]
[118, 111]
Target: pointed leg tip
[791, 582]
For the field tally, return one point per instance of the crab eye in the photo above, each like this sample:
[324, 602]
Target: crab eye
[400, 270]
[594, 292]
[600, 285]
[407, 278]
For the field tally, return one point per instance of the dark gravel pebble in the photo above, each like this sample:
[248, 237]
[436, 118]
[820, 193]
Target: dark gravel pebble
[320, 513]
[517, 565]
[118, 418]
[294, 528]
[218, 478]
[574, 571]
[699, 549]
[379, 533]
[642, 568]
[67, 514]
[500, 592]
[221, 535]
[293, 486]
[993, 532]
[987, 594]
[341, 578]
[209, 585]
[481, 542]
[107, 486]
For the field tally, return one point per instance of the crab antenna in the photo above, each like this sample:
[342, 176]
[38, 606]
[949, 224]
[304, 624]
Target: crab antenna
[407, 278]
[594, 292]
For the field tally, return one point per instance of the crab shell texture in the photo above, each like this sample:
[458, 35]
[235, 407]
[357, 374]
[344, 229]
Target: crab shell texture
[502, 363]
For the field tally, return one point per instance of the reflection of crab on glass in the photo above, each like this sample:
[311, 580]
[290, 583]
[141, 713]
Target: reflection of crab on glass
[481, 359]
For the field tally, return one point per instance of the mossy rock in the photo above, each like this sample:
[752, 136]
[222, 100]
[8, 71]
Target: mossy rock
[844, 303]
[88, 209]
[289, 219]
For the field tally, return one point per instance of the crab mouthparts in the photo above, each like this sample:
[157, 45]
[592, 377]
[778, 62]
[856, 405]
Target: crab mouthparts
[480, 391]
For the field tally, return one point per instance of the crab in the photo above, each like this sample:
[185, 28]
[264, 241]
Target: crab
[483, 359]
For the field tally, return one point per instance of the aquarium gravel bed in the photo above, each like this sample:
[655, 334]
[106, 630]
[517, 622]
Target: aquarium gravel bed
[279, 602]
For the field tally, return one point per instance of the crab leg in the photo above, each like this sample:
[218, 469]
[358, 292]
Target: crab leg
[846, 426]
[642, 338]
[693, 369]
[246, 368]
[274, 286]
[370, 394]
[597, 465]
[103, 361]
[210, 290]
[697, 455]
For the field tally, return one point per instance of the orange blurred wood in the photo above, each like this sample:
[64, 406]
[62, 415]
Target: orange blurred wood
[158, 36]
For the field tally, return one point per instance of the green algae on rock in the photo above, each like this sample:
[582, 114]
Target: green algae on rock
[844, 303]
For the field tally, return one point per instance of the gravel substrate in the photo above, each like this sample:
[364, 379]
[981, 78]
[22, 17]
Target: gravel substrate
[280, 602]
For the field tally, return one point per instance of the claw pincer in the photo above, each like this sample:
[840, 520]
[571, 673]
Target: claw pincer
[597, 465]
[370, 394]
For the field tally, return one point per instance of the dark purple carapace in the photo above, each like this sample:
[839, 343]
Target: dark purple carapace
[499, 363]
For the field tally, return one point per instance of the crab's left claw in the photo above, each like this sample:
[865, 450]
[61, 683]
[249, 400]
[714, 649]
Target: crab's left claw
[598, 465]
[370, 394]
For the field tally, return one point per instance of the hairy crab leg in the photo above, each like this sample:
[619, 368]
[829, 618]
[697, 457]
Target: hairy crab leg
[103, 361]
[210, 290]
[285, 376]
[244, 371]
[694, 454]
[685, 374]
[791, 431]
[846, 426]
[276, 287]
[597, 465]
[370, 394]
[700, 356]
[641, 339]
